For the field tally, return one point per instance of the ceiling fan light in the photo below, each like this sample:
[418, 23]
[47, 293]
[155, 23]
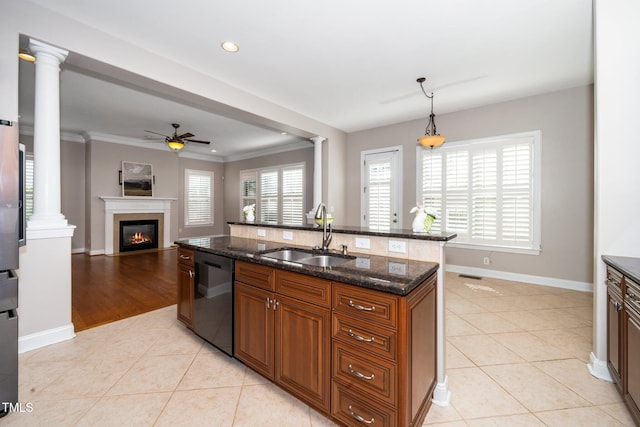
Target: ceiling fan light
[432, 140]
[175, 145]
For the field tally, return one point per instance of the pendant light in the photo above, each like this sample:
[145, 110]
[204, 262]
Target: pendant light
[431, 137]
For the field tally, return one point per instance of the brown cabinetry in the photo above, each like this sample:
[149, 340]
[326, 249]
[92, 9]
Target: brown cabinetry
[614, 325]
[361, 356]
[282, 329]
[632, 356]
[186, 275]
[384, 364]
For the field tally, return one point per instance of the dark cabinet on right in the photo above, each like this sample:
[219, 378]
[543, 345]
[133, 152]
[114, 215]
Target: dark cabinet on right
[623, 337]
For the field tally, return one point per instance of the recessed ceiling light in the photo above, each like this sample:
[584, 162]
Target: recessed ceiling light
[230, 46]
[214, 150]
[283, 133]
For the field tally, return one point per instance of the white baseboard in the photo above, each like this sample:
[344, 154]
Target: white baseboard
[78, 250]
[44, 338]
[96, 252]
[598, 368]
[524, 278]
[442, 394]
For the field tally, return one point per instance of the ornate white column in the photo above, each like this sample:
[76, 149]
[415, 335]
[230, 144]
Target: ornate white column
[317, 170]
[46, 138]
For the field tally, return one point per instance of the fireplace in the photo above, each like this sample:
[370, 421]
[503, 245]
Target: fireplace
[138, 235]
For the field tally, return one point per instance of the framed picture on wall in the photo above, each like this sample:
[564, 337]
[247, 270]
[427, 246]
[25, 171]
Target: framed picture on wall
[137, 179]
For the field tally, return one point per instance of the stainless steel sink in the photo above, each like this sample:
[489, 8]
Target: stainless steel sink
[306, 258]
[323, 260]
[288, 255]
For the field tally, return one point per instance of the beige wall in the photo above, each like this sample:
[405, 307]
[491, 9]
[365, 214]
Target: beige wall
[566, 121]
[72, 185]
[232, 178]
[104, 162]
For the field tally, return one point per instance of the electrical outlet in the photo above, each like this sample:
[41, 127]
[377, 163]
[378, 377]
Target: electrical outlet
[398, 268]
[363, 263]
[287, 235]
[262, 246]
[487, 260]
[262, 232]
[397, 246]
[363, 243]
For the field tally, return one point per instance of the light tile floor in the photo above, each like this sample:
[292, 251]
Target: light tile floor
[516, 356]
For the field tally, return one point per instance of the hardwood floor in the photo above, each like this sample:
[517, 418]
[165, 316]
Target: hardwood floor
[110, 288]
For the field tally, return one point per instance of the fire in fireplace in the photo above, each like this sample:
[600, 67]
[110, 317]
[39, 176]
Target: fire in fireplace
[138, 235]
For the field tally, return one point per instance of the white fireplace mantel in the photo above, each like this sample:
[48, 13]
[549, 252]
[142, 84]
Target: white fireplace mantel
[132, 205]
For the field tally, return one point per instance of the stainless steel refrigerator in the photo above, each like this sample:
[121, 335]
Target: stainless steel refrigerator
[12, 235]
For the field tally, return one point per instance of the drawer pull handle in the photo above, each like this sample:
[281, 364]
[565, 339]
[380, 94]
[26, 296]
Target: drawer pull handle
[616, 305]
[360, 307]
[360, 374]
[359, 417]
[359, 338]
[184, 257]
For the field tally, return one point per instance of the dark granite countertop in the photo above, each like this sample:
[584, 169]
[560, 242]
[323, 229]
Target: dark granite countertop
[628, 266]
[396, 233]
[394, 275]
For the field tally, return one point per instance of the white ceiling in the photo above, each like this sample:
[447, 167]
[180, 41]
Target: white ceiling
[349, 64]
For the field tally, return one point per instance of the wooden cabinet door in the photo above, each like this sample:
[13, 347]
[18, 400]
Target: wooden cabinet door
[633, 366]
[185, 294]
[254, 327]
[303, 346]
[614, 322]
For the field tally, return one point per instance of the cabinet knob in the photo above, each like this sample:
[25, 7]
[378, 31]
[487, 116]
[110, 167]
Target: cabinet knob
[191, 274]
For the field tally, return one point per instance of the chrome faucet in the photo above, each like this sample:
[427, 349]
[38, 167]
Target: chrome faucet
[321, 213]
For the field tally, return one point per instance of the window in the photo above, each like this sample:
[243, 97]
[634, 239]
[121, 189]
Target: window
[486, 191]
[198, 198]
[28, 188]
[277, 192]
[381, 200]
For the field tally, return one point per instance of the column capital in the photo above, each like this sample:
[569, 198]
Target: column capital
[38, 47]
[318, 139]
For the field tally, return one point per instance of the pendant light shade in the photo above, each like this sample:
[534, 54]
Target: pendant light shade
[431, 137]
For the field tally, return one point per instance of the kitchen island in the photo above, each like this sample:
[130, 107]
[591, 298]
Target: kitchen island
[359, 341]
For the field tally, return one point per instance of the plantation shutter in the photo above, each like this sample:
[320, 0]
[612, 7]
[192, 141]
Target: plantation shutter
[269, 196]
[484, 190]
[248, 189]
[29, 185]
[199, 197]
[517, 209]
[292, 195]
[378, 193]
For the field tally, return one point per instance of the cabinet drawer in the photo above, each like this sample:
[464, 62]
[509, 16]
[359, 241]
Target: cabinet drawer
[365, 336]
[353, 410]
[375, 376]
[256, 275]
[303, 287]
[365, 304]
[614, 278]
[185, 256]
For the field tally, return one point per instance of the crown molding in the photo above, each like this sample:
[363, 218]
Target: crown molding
[267, 151]
[64, 136]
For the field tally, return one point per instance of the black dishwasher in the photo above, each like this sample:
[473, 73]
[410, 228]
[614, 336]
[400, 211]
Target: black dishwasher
[213, 300]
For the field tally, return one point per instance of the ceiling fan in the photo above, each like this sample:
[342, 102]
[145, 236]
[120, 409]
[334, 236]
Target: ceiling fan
[176, 142]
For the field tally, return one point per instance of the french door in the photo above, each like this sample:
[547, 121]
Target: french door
[381, 189]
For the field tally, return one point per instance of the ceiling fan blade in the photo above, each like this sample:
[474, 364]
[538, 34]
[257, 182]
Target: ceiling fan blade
[199, 142]
[432, 89]
[185, 135]
[161, 134]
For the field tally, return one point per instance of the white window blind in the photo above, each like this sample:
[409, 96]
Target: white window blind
[269, 196]
[28, 185]
[292, 195]
[248, 188]
[198, 198]
[486, 191]
[277, 192]
[378, 193]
